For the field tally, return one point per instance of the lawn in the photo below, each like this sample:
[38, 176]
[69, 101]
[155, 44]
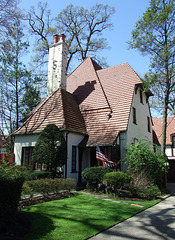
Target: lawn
[78, 217]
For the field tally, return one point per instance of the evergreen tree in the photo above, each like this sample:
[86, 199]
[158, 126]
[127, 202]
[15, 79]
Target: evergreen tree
[50, 148]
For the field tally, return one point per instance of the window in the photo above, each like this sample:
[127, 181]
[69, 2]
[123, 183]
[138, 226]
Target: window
[141, 96]
[73, 158]
[134, 115]
[27, 156]
[148, 124]
[173, 140]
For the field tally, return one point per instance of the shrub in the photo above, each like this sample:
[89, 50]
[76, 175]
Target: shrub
[116, 179]
[11, 180]
[150, 192]
[94, 176]
[70, 184]
[47, 186]
[140, 158]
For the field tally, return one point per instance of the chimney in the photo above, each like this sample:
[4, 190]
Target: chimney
[57, 68]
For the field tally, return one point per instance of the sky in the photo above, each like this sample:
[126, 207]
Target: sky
[127, 14]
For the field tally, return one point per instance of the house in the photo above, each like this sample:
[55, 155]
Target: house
[92, 106]
[170, 143]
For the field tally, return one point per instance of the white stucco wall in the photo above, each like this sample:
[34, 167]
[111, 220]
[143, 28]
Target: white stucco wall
[72, 140]
[23, 141]
[139, 130]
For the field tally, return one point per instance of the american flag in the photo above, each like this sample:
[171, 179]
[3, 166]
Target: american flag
[106, 163]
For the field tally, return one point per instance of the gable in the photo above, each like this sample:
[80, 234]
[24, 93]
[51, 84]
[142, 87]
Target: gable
[169, 131]
[52, 110]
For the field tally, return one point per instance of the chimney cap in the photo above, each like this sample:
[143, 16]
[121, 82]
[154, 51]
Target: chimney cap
[60, 38]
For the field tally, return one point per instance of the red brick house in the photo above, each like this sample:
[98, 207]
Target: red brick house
[92, 106]
[170, 143]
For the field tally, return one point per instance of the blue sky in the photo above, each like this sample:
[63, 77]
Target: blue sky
[124, 19]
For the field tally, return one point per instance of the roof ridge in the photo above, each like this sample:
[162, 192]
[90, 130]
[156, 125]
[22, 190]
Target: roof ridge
[79, 65]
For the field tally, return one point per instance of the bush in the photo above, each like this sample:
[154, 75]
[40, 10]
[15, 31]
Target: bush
[94, 175]
[47, 186]
[11, 180]
[149, 193]
[116, 179]
[140, 158]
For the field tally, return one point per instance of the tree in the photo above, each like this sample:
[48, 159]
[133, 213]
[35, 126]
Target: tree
[8, 11]
[83, 29]
[13, 76]
[50, 148]
[154, 35]
[30, 100]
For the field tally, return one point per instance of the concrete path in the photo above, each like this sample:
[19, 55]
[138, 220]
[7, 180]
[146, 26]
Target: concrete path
[155, 223]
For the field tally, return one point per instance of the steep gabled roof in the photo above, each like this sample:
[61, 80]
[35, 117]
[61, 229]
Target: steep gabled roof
[97, 103]
[60, 108]
[157, 127]
[101, 92]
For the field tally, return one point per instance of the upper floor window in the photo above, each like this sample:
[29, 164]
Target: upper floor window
[173, 141]
[148, 124]
[73, 158]
[134, 115]
[141, 96]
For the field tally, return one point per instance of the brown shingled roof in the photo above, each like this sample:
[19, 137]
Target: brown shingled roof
[97, 102]
[100, 91]
[157, 127]
[60, 108]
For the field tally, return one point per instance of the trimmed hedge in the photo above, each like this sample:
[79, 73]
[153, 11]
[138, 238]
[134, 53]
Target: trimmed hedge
[94, 176]
[47, 186]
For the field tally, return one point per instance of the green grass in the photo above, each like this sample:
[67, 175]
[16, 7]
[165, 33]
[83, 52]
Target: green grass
[78, 217]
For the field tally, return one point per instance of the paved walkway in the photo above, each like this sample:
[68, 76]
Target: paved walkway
[155, 223]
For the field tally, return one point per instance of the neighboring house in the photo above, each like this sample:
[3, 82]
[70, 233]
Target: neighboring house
[92, 106]
[170, 143]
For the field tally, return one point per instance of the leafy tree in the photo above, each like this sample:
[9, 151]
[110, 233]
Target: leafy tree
[141, 160]
[13, 75]
[83, 29]
[8, 11]
[30, 100]
[154, 36]
[50, 148]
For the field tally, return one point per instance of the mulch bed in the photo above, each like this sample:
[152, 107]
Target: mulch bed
[20, 226]
[35, 200]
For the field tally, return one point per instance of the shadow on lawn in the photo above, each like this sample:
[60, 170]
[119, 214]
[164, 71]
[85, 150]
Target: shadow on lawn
[39, 225]
[44, 224]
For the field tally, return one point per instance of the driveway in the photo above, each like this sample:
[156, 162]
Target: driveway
[155, 223]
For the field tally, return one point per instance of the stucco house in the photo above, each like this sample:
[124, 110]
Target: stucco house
[92, 106]
[170, 143]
